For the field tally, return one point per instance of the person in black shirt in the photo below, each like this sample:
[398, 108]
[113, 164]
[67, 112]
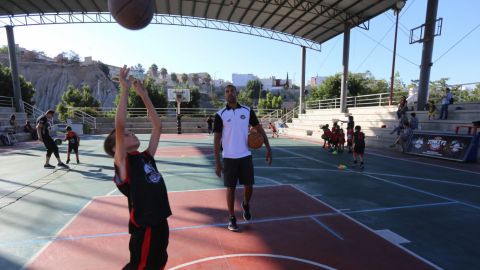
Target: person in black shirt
[210, 124]
[43, 132]
[358, 146]
[137, 177]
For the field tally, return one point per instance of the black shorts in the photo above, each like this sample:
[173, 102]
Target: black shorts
[359, 149]
[152, 241]
[72, 147]
[238, 169]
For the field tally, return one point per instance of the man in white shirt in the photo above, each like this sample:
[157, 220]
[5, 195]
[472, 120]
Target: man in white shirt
[446, 99]
[231, 128]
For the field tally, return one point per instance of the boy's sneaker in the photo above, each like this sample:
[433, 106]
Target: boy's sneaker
[246, 211]
[48, 166]
[232, 224]
[78, 161]
[68, 161]
[63, 165]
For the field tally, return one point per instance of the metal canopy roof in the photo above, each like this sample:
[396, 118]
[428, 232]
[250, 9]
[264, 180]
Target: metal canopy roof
[310, 21]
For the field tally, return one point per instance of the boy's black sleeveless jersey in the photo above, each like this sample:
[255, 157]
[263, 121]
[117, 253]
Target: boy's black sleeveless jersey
[46, 125]
[359, 138]
[145, 189]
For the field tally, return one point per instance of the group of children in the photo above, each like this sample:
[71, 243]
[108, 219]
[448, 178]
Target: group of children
[334, 139]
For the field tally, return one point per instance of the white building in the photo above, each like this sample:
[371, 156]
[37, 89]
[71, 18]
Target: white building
[241, 80]
[316, 81]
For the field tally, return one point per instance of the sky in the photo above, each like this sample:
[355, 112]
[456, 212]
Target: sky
[189, 50]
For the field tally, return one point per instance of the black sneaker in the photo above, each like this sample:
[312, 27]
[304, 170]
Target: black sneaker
[232, 224]
[246, 212]
[63, 165]
[68, 161]
[48, 166]
[78, 161]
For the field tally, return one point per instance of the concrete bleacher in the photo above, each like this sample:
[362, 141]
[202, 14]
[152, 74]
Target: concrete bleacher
[142, 125]
[371, 119]
[5, 113]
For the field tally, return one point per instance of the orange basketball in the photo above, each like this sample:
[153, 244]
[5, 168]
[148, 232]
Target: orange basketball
[255, 140]
[132, 14]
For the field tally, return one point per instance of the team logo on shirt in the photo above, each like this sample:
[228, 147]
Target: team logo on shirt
[418, 143]
[153, 176]
[456, 146]
[242, 116]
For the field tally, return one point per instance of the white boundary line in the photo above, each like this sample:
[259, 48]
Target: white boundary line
[56, 235]
[426, 179]
[371, 230]
[424, 163]
[323, 266]
[328, 229]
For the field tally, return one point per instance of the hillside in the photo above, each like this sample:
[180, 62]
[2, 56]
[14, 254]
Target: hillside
[51, 81]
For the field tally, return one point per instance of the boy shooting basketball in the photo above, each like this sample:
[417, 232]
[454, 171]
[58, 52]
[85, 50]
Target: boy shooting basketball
[137, 177]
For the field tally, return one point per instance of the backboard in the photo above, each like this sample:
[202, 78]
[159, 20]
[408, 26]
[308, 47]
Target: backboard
[174, 93]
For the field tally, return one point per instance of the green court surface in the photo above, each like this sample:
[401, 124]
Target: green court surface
[433, 205]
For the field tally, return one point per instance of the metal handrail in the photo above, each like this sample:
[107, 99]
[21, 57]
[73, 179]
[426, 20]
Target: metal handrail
[32, 110]
[81, 114]
[275, 114]
[287, 117]
[354, 101]
[6, 101]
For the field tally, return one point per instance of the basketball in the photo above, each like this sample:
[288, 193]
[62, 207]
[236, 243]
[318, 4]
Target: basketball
[255, 140]
[132, 14]
[58, 141]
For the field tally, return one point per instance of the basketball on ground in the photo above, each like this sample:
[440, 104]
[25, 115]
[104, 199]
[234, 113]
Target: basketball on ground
[132, 14]
[255, 140]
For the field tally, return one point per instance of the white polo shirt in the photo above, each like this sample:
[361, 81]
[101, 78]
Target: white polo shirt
[234, 124]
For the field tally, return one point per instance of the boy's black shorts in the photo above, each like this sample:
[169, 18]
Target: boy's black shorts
[148, 247]
[238, 169]
[359, 149]
[72, 147]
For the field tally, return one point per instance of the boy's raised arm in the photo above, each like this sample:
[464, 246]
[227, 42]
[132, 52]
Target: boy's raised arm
[152, 114]
[120, 118]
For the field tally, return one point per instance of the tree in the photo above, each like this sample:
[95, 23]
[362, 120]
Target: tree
[153, 70]
[194, 99]
[184, 78]
[271, 102]
[174, 78]
[78, 97]
[253, 89]
[330, 88]
[245, 97]
[207, 79]
[4, 49]
[163, 72]
[357, 84]
[138, 68]
[155, 92]
[6, 85]
[104, 68]
[195, 78]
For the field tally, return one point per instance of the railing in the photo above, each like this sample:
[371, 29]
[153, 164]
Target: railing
[274, 114]
[32, 110]
[287, 117]
[142, 112]
[6, 101]
[86, 118]
[381, 99]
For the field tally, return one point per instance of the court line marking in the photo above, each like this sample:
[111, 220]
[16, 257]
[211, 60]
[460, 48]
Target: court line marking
[420, 162]
[384, 209]
[336, 212]
[381, 174]
[49, 242]
[330, 230]
[422, 191]
[371, 230]
[402, 159]
[391, 182]
[323, 266]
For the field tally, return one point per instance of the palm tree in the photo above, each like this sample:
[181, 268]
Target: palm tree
[184, 78]
[153, 70]
[207, 79]
[174, 78]
[163, 72]
[195, 78]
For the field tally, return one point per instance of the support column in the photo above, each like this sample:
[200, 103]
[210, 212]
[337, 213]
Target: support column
[17, 91]
[346, 49]
[427, 51]
[302, 83]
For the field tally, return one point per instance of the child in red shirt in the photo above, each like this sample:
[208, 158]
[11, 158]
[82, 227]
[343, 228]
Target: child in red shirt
[341, 140]
[73, 143]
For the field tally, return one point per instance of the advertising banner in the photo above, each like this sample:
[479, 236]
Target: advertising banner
[446, 146]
